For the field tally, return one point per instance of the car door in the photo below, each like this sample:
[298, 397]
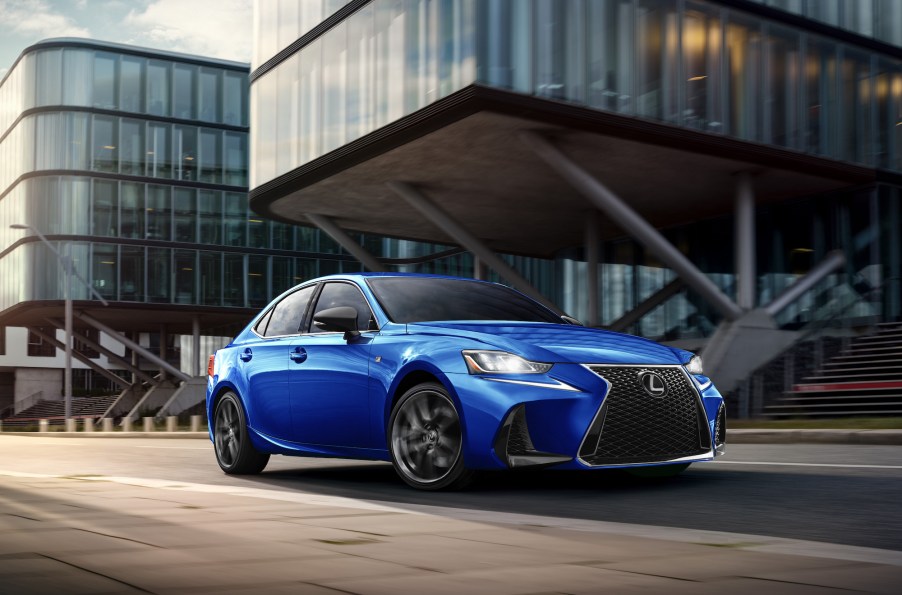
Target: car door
[266, 363]
[329, 376]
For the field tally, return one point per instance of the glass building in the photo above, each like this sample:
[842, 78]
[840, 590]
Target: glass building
[756, 137]
[135, 162]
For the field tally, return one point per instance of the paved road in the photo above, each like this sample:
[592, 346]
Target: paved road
[837, 494]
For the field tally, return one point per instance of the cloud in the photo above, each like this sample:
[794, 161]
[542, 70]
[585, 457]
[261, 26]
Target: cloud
[36, 18]
[214, 28]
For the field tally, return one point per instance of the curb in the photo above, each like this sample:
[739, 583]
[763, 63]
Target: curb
[99, 434]
[740, 436]
[813, 436]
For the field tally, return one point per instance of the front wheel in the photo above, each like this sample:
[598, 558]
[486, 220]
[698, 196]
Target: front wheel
[234, 451]
[426, 439]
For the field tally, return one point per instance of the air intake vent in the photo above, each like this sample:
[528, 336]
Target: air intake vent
[650, 414]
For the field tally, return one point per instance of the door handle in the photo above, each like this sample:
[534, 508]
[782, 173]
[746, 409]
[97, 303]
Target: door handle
[298, 355]
[247, 355]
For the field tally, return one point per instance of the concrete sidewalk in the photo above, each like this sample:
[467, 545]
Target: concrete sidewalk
[118, 535]
[738, 436]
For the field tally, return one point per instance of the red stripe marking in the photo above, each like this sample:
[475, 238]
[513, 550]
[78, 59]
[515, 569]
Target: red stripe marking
[806, 388]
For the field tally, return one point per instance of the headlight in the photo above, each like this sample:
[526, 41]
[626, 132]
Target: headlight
[500, 362]
[695, 365]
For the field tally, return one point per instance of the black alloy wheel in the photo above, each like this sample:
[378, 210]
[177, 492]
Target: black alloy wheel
[426, 439]
[234, 451]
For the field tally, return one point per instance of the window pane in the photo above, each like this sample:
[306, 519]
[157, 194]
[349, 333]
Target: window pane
[211, 278]
[184, 276]
[132, 207]
[236, 159]
[157, 88]
[183, 91]
[184, 214]
[336, 295]
[131, 270]
[744, 58]
[783, 87]
[208, 95]
[656, 26]
[233, 95]
[159, 163]
[158, 274]
[77, 66]
[131, 147]
[106, 139]
[158, 213]
[105, 209]
[185, 150]
[105, 81]
[131, 91]
[210, 216]
[288, 314]
[104, 270]
[235, 219]
[256, 281]
[234, 281]
[49, 78]
[210, 156]
[702, 69]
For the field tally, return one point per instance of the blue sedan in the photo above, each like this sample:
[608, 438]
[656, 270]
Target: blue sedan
[444, 376]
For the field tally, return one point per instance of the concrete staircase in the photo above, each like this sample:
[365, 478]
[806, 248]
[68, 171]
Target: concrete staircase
[55, 411]
[863, 379]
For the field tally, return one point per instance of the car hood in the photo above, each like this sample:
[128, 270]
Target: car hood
[558, 343]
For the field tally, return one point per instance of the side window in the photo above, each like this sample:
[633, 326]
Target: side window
[288, 314]
[343, 294]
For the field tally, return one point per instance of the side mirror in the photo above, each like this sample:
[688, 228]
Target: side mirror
[342, 319]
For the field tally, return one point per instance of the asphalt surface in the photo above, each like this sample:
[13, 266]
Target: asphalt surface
[841, 494]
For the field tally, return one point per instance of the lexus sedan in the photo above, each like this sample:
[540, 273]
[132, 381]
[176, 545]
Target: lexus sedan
[445, 376]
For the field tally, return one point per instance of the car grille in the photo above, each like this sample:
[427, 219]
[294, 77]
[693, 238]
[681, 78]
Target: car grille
[633, 426]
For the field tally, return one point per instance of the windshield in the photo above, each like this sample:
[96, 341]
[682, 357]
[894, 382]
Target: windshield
[418, 299]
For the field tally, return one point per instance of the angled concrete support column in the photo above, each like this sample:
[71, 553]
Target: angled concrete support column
[650, 303]
[195, 346]
[592, 240]
[479, 271]
[347, 242]
[133, 346]
[80, 357]
[744, 234]
[832, 262]
[446, 223]
[633, 223]
[111, 357]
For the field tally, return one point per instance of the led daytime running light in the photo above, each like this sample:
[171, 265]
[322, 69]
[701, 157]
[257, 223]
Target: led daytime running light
[501, 362]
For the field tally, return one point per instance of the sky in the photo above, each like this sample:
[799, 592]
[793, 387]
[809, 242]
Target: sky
[211, 28]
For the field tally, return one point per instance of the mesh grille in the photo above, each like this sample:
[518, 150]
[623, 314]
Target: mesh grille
[519, 442]
[635, 427]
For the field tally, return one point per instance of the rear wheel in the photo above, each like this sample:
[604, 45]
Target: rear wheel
[426, 439]
[658, 471]
[234, 451]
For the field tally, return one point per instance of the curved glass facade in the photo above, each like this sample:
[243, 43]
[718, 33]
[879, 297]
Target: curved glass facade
[137, 164]
[385, 61]
[691, 63]
[879, 19]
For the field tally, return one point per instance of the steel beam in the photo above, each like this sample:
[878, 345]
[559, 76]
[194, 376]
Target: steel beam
[462, 236]
[110, 355]
[649, 304]
[833, 261]
[347, 242]
[631, 222]
[744, 235]
[143, 352]
[81, 357]
[592, 257]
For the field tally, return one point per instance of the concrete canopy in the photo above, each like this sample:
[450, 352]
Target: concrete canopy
[472, 162]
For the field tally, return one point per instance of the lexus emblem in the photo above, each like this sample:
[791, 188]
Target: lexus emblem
[653, 384]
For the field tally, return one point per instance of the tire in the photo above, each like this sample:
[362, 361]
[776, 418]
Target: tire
[658, 471]
[231, 441]
[425, 439]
